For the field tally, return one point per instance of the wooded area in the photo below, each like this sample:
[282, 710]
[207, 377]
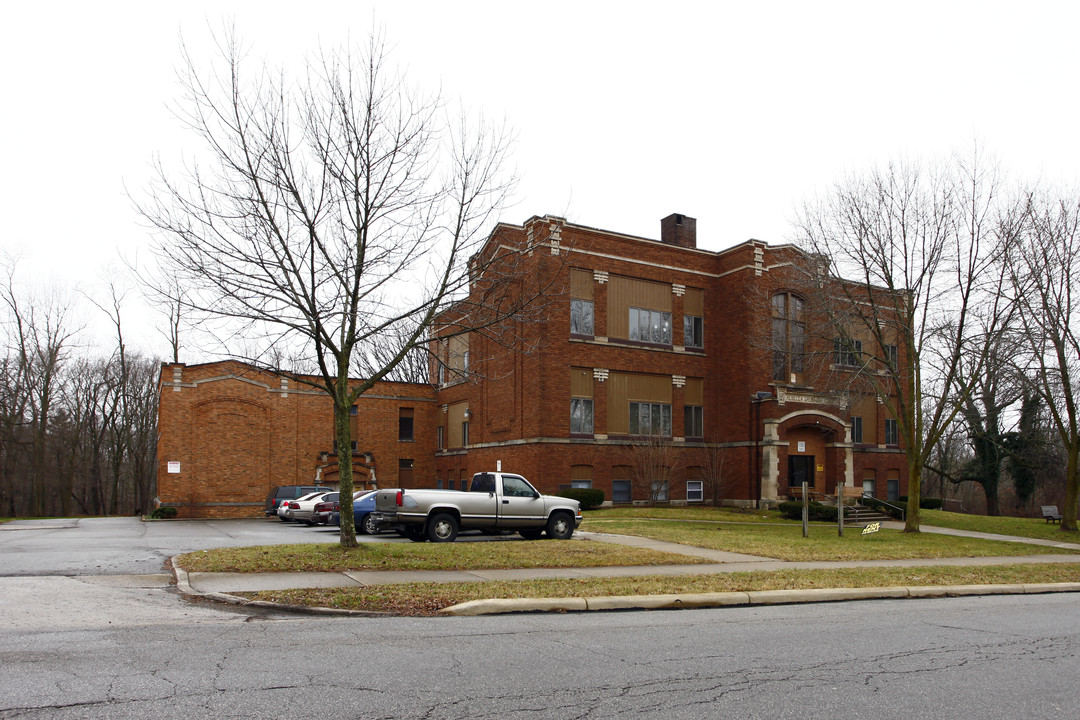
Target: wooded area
[78, 433]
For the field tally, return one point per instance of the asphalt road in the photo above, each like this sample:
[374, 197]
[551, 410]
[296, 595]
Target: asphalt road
[91, 643]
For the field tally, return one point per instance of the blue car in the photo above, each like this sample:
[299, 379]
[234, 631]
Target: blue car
[363, 506]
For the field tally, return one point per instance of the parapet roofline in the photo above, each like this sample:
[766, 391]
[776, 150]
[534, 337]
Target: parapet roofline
[638, 238]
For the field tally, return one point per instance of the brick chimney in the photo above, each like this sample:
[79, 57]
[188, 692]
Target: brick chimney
[679, 230]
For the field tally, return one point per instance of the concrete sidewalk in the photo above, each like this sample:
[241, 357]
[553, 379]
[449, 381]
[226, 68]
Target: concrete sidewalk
[220, 585]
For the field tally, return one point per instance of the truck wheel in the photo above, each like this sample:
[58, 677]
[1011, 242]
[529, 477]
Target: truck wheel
[442, 528]
[560, 526]
[531, 534]
[368, 525]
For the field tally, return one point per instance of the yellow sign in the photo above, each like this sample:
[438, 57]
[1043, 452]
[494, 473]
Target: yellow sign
[871, 528]
[820, 467]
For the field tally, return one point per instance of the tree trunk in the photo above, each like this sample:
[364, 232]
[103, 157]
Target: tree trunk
[343, 436]
[911, 525]
[1072, 496]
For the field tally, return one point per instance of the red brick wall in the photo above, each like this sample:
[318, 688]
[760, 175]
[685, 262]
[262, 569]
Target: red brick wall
[236, 435]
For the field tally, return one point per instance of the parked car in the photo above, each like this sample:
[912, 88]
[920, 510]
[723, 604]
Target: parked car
[284, 493]
[363, 506]
[496, 501]
[301, 509]
[328, 513]
[323, 510]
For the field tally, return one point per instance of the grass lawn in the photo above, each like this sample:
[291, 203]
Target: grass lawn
[760, 533]
[495, 555]
[784, 540]
[1024, 527]
[429, 598]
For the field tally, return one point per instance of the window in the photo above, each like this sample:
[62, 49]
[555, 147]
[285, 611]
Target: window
[693, 331]
[514, 486]
[891, 357]
[659, 490]
[869, 484]
[695, 491]
[856, 429]
[694, 421]
[440, 437]
[788, 337]
[581, 416]
[620, 491]
[465, 433]
[405, 424]
[580, 476]
[892, 436]
[651, 326]
[352, 410]
[650, 419]
[581, 317]
[847, 352]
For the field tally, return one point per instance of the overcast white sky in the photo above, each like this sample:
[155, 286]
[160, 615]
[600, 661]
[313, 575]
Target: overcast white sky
[625, 112]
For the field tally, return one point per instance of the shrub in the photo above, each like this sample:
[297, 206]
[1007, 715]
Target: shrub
[163, 513]
[590, 498]
[792, 510]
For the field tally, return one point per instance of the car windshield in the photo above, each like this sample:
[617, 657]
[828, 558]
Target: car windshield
[365, 496]
[307, 497]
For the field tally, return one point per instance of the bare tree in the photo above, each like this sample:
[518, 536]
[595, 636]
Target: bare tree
[40, 332]
[712, 471]
[1045, 267]
[653, 461]
[922, 252]
[338, 214]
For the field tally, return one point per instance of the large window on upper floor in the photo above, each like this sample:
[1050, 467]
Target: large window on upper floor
[581, 302]
[639, 310]
[650, 326]
[788, 338]
[694, 319]
[847, 352]
[892, 434]
[650, 419]
[581, 317]
[581, 401]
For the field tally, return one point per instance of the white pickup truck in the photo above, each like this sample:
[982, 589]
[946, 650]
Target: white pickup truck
[495, 501]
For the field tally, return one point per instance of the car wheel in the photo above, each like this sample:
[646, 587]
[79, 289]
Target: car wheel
[442, 528]
[560, 526]
[531, 534]
[282, 518]
[368, 525]
[415, 533]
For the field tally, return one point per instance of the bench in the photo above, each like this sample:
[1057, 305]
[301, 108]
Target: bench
[1050, 512]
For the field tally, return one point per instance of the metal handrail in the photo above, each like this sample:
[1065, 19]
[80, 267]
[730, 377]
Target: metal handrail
[903, 512]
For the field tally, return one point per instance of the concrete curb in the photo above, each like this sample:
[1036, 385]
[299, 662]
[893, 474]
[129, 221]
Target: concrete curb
[757, 597]
[183, 584]
[498, 606]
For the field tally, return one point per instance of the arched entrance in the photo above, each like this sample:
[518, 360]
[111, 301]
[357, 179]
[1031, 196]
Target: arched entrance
[808, 446]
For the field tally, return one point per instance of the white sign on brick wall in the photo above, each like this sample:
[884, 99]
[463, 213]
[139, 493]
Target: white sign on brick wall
[174, 467]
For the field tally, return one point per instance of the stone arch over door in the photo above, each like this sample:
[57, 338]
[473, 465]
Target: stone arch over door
[818, 440]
